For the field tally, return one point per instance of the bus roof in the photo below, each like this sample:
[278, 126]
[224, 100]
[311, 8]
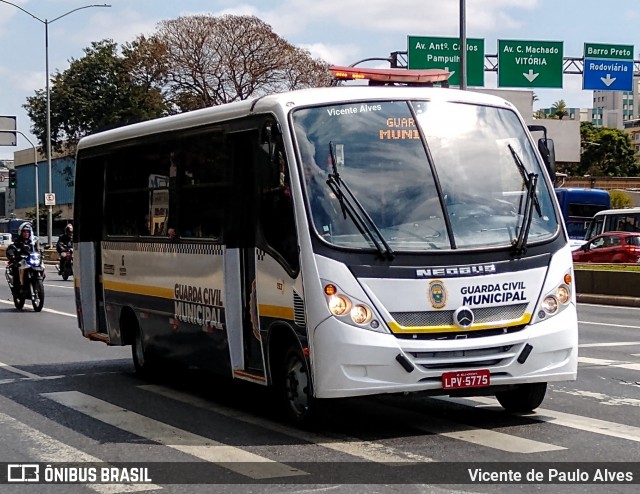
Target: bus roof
[618, 211]
[283, 102]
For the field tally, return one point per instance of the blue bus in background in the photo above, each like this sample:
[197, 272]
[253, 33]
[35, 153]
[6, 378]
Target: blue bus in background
[11, 225]
[578, 207]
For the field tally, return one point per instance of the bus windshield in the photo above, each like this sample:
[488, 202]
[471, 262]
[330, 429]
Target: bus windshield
[465, 187]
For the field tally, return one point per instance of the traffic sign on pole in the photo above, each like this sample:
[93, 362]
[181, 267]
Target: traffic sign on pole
[608, 67]
[530, 63]
[8, 135]
[444, 53]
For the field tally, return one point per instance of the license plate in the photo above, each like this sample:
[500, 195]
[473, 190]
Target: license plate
[466, 379]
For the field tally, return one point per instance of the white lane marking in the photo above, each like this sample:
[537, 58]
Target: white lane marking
[367, 450]
[15, 370]
[579, 422]
[50, 311]
[609, 324]
[608, 363]
[44, 448]
[601, 397]
[229, 457]
[24, 379]
[617, 307]
[483, 437]
[614, 343]
[69, 287]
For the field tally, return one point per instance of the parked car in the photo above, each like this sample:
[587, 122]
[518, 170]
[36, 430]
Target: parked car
[610, 247]
[5, 240]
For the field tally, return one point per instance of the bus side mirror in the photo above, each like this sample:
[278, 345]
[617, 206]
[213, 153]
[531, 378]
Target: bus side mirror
[548, 151]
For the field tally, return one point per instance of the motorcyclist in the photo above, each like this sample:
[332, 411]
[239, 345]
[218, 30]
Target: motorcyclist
[25, 244]
[65, 243]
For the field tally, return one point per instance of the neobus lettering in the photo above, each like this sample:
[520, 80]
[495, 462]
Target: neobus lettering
[456, 271]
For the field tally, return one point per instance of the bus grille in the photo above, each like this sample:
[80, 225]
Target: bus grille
[486, 315]
[298, 310]
[456, 359]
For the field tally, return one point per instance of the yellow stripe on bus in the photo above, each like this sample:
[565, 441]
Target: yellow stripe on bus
[152, 291]
[276, 311]
[397, 328]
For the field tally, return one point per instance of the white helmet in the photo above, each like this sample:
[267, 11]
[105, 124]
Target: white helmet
[26, 226]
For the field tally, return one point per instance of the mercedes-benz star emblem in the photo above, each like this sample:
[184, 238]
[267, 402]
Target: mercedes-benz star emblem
[463, 317]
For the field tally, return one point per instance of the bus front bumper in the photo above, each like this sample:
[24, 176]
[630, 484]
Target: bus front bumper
[349, 361]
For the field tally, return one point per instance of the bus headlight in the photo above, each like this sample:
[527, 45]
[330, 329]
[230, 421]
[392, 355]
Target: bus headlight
[339, 305]
[550, 304]
[556, 300]
[564, 294]
[360, 314]
[350, 310]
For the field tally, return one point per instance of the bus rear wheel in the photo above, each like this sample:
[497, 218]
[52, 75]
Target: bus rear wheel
[142, 360]
[524, 398]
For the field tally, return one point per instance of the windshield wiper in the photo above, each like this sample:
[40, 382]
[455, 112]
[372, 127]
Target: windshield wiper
[530, 180]
[356, 211]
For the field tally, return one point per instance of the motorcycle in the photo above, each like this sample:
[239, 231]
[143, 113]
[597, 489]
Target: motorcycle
[65, 266]
[33, 284]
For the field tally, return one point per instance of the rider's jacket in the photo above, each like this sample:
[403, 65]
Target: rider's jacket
[65, 241]
[21, 246]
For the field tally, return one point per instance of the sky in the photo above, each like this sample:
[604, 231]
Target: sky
[340, 32]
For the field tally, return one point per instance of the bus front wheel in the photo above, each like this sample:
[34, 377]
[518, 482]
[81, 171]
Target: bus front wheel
[295, 387]
[524, 398]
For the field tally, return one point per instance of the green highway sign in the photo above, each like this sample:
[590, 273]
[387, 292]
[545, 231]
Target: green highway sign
[530, 63]
[601, 51]
[444, 53]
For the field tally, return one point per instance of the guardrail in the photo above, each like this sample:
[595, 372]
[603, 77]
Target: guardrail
[603, 286]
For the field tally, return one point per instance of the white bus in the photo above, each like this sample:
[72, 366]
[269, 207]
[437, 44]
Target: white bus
[610, 220]
[332, 242]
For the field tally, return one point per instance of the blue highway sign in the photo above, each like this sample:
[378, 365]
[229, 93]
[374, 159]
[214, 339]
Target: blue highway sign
[608, 75]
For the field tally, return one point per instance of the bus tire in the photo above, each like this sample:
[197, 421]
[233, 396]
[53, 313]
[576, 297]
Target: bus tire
[142, 360]
[524, 398]
[294, 387]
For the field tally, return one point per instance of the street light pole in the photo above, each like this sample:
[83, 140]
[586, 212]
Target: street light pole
[463, 45]
[46, 23]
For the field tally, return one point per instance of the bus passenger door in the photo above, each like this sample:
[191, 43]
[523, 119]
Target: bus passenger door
[243, 329]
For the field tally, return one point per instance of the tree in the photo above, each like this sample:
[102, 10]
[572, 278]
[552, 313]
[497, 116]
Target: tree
[97, 92]
[207, 60]
[606, 152]
[559, 109]
[620, 199]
